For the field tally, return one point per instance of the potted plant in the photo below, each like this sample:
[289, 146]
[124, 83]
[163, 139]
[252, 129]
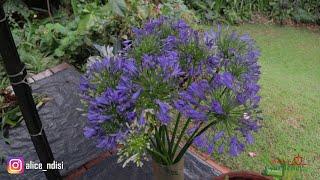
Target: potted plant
[171, 87]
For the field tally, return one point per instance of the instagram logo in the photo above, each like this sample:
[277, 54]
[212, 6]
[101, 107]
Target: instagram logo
[15, 165]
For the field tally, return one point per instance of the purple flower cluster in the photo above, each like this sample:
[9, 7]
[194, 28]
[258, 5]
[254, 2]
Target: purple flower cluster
[150, 27]
[205, 100]
[110, 97]
[204, 77]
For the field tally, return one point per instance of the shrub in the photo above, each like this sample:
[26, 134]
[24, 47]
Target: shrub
[173, 76]
[239, 11]
[96, 23]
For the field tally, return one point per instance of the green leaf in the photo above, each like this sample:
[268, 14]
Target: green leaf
[86, 22]
[143, 12]
[118, 7]
[59, 53]
[158, 156]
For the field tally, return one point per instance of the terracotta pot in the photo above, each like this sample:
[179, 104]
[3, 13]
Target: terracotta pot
[242, 175]
[171, 172]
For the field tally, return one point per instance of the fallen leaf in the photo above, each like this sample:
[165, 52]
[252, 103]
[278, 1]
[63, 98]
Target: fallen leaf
[252, 154]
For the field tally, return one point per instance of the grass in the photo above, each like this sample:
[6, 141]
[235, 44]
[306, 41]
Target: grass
[290, 90]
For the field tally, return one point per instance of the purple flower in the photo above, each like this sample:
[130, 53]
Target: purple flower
[233, 36]
[216, 106]
[169, 65]
[170, 42]
[213, 62]
[218, 136]
[211, 37]
[200, 141]
[250, 91]
[131, 115]
[181, 105]
[148, 61]
[142, 120]
[130, 67]
[253, 55]
[163, 114]
[89, 132]
[210, 149]
[249, 138]
[84, 84]
[241, 98]
[196, 115]
[245, 38]
[138, 32]
[151, 27]
[255, 101]
[136, 95]
[198, 89]
[249, 124]
[104, 99]
[189, 98]
[221, 149]
[225, 79]
[98, 118]
[192, 129]
[181, 24]
[127, 44]
[235, 147]
[153, 24]
[107, 142]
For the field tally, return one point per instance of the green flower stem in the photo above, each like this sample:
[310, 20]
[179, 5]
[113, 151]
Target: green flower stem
[163, 136]
[164, 142]
[191, 139]
[158, 140]
[224, 90]
[158, 156]
[172, 153]
[174, 133]
[152, 142]
[187, 145]
[180, 136]
[168, 140]
[161, 147]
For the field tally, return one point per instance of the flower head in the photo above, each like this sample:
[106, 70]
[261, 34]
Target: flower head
[163, 114]
[210, 80]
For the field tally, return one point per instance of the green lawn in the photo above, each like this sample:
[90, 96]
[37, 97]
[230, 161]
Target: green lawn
[290, 83]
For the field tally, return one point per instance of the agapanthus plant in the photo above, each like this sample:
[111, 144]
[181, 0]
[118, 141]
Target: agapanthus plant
[172, 87]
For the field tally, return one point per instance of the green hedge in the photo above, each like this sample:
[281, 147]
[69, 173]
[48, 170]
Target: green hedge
[236, 11]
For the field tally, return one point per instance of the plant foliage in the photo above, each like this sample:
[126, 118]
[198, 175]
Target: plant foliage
[236, 11]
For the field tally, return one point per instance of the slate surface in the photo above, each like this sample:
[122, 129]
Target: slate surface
[63, 126]
[195, 169]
